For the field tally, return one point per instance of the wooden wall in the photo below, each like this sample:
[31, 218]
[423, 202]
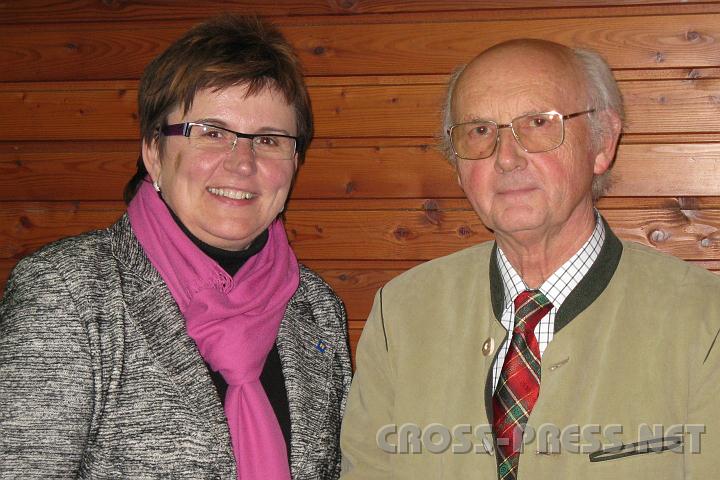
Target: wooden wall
[374, 197]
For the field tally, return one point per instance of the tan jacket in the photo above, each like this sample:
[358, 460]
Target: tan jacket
[634, 344]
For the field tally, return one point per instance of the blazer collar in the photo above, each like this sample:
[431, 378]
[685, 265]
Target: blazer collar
[582, 296]
[152, 309]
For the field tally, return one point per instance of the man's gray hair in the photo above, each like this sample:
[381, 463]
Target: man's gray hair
[603, 95]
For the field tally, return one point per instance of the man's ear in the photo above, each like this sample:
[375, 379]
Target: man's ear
[151, 158]
[606, 154]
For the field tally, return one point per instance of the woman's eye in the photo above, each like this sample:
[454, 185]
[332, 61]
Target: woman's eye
[266, 141]
[213, 133]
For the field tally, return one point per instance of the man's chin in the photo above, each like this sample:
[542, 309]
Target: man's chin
[519, 220]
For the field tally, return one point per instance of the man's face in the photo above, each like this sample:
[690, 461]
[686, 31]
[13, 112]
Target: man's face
[528, 196]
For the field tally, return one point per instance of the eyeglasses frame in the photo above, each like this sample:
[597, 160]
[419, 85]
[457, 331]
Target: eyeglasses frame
[183, 129]
[498, 126]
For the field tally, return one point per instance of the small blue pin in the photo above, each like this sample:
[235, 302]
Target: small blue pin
[321, 346]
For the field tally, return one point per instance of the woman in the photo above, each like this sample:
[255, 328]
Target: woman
[184, 341]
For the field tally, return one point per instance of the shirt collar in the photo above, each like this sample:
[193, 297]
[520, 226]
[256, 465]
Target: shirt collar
[561, 282]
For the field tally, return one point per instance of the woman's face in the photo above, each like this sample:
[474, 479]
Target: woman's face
[226, 199]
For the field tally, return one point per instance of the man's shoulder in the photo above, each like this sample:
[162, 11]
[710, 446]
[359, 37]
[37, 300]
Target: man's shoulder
[661, 267]
[452, 267]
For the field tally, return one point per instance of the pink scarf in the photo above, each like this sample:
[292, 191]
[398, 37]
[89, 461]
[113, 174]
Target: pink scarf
[233, 320]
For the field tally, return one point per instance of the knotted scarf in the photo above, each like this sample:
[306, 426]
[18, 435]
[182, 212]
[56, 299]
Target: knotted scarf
[233, 320]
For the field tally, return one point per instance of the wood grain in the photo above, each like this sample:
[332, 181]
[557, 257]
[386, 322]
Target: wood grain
[377, 171]
[90, 51]
[375, 197]
[50, 11]
[340, 234]
[34, 113]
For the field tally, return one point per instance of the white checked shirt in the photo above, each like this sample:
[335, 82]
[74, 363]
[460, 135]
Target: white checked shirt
[556, 288]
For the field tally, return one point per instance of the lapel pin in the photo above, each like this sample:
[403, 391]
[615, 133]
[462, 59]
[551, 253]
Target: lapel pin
[321, 346]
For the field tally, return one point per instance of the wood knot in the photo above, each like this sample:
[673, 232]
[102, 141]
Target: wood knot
[72, 46]
[347, 4]
[319, 50]
[464, 231]
[343, 277]
[659, 57]
[25, 222]
[431, 205]
[688, 203]
[692, 36]
[402, 233]
[659, 236]
[694, 74]
[705, 242]
[349, 188]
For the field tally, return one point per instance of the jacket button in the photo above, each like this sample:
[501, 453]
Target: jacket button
[488, 346]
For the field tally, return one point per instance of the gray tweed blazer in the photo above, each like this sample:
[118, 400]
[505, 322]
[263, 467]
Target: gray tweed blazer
[99, 379]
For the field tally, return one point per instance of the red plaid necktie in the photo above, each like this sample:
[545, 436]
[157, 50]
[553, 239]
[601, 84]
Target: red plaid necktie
[519, 383]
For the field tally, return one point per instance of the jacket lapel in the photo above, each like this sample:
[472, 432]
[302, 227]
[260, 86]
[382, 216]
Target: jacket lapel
[153, 311]
[306, 344]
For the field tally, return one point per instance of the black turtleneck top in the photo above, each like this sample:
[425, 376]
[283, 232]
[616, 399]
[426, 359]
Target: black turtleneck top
[272, 378]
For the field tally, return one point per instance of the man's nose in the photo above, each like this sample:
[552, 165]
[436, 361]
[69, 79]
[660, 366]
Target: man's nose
[509, 154]
[242, 157]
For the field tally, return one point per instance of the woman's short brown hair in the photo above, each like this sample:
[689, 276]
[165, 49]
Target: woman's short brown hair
[221, 52]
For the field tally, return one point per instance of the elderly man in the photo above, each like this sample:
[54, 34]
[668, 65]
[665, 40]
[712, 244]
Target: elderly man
[557, 351]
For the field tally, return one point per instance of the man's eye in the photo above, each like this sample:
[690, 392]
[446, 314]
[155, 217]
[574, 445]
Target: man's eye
[480, 131]
[538, 121]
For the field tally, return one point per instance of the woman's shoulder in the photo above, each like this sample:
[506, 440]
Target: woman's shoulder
[70, 258]
[311, 279]
[317, 295]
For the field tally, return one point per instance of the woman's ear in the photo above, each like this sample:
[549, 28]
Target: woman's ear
[151, 158]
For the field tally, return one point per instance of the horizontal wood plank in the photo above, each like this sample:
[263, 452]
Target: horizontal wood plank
[87, 51]
[356, 282]
[34, 113]
[370, 234]
[50, 11]
[418, 171]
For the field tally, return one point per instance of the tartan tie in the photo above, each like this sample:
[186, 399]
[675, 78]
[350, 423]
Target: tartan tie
[519, 383]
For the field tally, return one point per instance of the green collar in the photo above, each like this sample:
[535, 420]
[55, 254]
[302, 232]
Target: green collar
[589, 288]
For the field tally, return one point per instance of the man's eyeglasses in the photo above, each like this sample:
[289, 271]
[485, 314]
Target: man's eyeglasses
[535, 132]
[211, 138]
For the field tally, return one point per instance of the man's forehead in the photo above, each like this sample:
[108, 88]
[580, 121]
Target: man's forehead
[523, 60]
[516, 80]
[502, 99]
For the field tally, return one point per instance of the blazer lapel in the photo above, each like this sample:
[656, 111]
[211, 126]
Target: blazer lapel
[307, 352]
[152, 309]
